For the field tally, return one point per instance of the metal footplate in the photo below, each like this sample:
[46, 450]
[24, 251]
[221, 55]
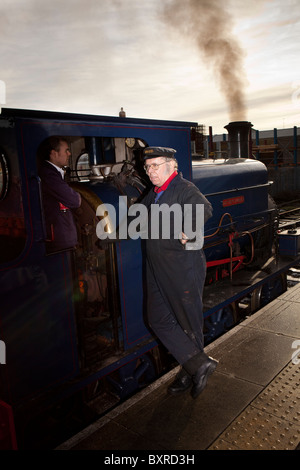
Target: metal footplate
[271, 421]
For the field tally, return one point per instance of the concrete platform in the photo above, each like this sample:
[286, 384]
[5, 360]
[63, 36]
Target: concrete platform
[252, 401]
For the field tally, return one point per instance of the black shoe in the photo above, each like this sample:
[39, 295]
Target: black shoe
[180, 384]
[201, 376]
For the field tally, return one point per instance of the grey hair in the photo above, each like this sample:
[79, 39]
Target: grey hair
[168, 159]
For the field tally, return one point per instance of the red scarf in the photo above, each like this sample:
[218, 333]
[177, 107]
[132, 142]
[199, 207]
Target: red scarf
[166, 183]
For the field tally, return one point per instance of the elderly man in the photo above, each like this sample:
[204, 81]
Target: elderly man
[176, 273]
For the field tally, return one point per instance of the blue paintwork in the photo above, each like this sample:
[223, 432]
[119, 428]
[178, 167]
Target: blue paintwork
[221, 181]
[37, 320]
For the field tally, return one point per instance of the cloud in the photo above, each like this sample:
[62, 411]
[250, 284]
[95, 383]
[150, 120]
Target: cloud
[62, 53]
[95, 56]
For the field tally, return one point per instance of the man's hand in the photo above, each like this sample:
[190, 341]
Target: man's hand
[183, 239]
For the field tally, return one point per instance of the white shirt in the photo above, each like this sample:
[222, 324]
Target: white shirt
[58, 168]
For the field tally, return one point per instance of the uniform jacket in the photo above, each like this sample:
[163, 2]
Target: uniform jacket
[181, 192]
[175, 273]
[58, 200]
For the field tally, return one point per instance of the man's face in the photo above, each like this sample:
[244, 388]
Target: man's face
[159, 174]
[62, 156]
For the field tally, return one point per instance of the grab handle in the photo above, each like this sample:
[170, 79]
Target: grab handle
[39, 228]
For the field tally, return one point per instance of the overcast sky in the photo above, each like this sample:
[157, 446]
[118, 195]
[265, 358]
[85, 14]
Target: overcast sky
[154, 58]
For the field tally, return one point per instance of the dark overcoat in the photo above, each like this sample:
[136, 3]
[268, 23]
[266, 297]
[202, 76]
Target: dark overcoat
[176, 275]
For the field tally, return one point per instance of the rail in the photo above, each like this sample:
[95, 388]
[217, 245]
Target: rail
[289, 215]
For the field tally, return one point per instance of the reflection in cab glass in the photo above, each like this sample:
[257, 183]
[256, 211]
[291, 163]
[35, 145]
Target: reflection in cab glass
[12, 226]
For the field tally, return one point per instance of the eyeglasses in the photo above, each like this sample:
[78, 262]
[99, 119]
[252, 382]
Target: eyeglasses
[153, 166]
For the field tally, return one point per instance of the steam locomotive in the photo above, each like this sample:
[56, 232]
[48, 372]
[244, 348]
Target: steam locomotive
[73, 322]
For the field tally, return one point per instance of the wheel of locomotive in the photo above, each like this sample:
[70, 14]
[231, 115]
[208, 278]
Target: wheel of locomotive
[272, 289]
[219, 322]
[267, 292]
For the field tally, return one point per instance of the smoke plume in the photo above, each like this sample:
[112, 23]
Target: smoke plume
[208, 24]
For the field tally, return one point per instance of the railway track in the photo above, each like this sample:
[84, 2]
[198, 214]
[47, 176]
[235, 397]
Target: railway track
[289, 219]
[289, 215]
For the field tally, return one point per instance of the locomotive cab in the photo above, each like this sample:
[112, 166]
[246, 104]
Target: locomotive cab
[103, 170]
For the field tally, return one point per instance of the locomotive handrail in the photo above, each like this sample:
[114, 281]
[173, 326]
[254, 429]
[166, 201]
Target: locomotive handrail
[43, 237]
[234, 190]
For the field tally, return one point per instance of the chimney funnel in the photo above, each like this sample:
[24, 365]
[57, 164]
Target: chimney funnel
[239, 136]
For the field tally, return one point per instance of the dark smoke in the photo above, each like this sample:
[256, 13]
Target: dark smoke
[208, 24]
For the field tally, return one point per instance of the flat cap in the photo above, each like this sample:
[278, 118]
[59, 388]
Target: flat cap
[154, 152]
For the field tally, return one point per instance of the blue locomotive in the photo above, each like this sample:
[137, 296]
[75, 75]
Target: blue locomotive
[72, 322]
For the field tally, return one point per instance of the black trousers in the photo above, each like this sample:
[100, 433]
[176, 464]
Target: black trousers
[175, 309]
